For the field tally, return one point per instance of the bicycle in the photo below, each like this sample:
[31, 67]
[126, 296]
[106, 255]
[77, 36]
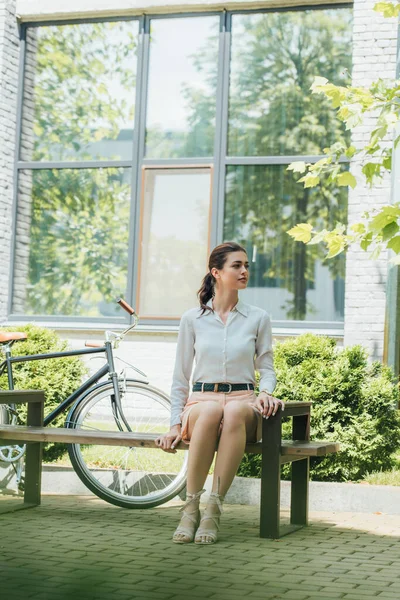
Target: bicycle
[125, 477]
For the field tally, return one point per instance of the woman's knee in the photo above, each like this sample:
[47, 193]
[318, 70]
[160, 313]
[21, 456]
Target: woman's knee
[236, 413]
[210, 411]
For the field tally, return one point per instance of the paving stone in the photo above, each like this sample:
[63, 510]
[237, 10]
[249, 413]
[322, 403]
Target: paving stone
[93, 551]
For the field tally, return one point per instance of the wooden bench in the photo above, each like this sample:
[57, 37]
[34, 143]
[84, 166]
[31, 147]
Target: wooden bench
[274, 450]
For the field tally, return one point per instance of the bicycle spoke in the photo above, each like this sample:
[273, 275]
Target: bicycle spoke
[128, 476]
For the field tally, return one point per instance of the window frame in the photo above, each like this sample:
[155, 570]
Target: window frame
[218, 163]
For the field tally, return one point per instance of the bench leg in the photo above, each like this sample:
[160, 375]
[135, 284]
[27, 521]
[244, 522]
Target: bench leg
[33, 459]
[33, 473]
[299, 492]
[271, 477]
[300, 474]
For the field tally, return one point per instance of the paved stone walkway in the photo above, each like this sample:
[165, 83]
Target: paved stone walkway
[79, 548]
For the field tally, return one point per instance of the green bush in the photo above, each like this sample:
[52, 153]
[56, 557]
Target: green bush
[58, 377]
[354, 402]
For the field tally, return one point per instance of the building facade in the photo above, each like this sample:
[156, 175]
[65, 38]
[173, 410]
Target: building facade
[136, 136]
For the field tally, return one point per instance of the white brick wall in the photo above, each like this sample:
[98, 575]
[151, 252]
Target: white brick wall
[9, 58]
[374, 56]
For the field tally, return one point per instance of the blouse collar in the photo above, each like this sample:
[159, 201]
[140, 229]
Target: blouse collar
[240, 307]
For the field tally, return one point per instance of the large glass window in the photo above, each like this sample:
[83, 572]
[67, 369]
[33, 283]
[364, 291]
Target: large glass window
[272, 113]
[71, 251]
[275, 57]
[146, 141]
[79, 92]
[174, 239]
[182, 87]
[289, 280]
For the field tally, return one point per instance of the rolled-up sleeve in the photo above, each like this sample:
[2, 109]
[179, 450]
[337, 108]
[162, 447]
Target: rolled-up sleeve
[183, 368]
[264, 362]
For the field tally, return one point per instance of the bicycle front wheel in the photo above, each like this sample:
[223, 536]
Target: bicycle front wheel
[128, 477]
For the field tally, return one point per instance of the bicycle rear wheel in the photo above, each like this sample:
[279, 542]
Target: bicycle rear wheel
[128, 477]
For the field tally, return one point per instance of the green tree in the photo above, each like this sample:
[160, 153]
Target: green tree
[380, 228]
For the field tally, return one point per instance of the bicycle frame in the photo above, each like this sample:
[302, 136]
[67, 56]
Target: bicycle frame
[107, 368]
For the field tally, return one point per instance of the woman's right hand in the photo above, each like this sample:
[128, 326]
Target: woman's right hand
[170, 440]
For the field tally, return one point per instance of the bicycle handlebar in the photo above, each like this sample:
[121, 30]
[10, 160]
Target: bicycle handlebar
[90, 344]
[126, 306]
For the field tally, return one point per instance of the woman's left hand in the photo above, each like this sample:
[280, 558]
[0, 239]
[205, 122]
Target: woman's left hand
[268, 405]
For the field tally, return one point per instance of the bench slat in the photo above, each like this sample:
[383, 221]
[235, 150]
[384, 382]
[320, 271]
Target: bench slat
[21, 396]
[291, 448]
[295, 448]
[75, 436]
[146, 440]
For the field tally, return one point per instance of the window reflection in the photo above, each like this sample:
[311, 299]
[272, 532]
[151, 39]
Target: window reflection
[79, 92]
[289, 280]
[174, 239]
[182, 87]
[72, 241]
[275, 57]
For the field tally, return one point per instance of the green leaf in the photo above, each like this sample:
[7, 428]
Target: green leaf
[347, 178]
[387, 9]
[371, 170]
[351, 151]
[389, 231]
[358, 227]
[394, 244]
[388, 214]
[318, 238]
[387, 162]
[336, 245]
[299, 166]
[309, 180]
[395, 260]
[321, 163]
[367, 241]
[301, 232]
[375, 253]
[351, 114]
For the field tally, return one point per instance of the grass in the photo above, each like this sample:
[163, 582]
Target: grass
[385, 477]
[111, 457]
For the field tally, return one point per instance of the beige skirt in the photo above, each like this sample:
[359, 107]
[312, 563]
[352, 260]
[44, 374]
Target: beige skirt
[249, 397]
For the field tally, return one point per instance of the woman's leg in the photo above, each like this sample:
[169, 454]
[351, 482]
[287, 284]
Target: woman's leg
[204, 423]
[240, 423]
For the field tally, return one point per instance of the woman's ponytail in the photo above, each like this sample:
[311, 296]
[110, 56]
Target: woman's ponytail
[206, 292]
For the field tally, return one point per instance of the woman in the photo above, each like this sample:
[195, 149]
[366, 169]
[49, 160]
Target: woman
[225, 335]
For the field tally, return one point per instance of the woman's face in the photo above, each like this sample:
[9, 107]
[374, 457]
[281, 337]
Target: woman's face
[235, 273]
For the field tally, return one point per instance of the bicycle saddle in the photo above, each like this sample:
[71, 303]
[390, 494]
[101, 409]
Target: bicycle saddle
[12, 336]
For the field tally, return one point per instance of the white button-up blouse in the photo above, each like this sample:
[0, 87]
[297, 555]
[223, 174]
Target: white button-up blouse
[224, 353]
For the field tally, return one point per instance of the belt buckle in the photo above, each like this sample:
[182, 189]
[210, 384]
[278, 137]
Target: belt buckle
[230, 388]
[202, 387]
